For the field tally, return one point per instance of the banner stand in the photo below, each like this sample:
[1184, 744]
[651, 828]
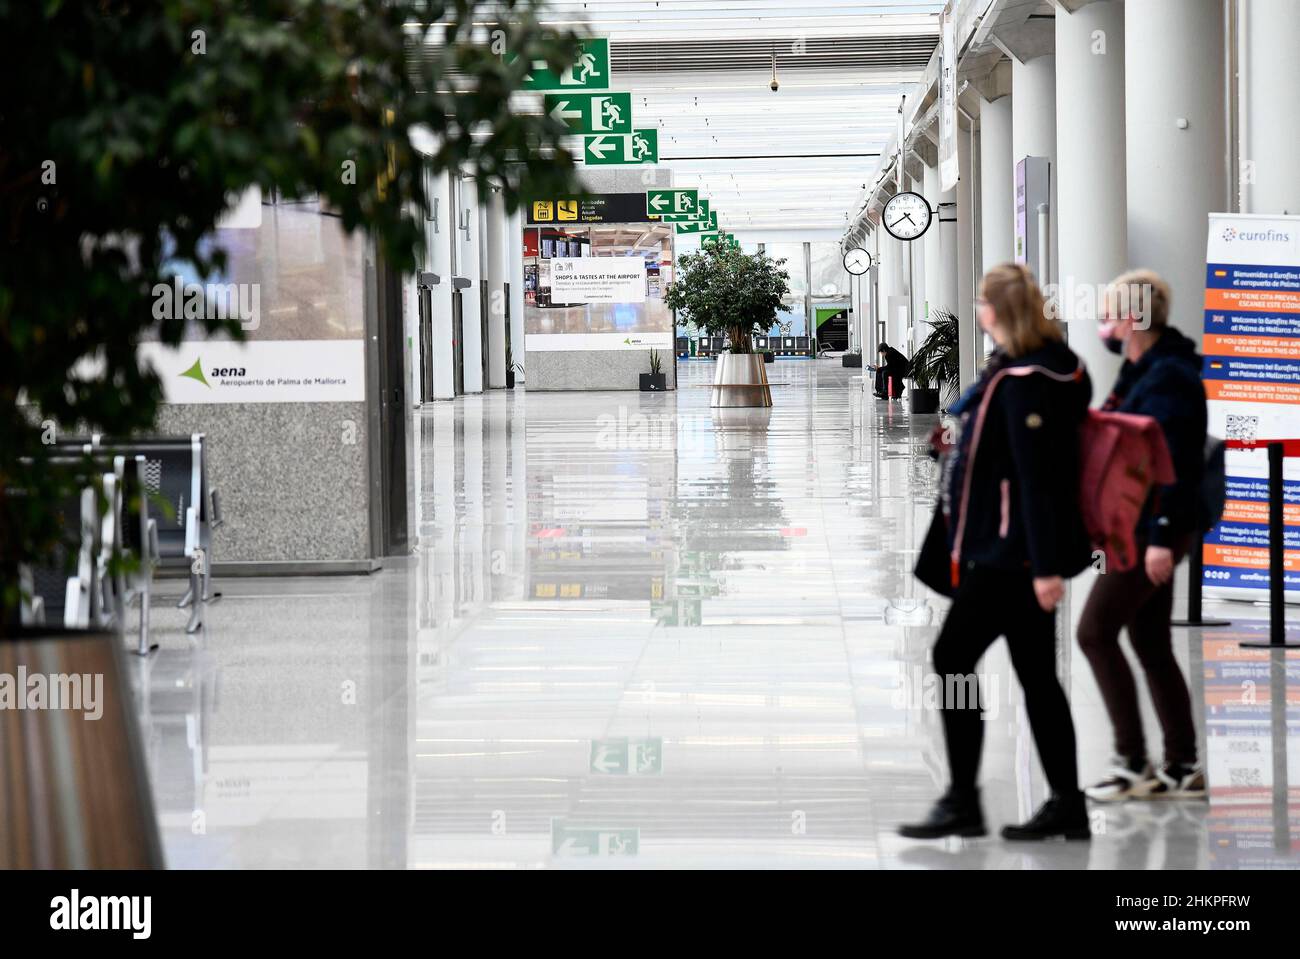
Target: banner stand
[1195, 577]
[1276, 566]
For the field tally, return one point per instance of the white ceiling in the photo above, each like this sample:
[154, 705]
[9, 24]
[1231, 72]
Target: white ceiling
[794, 159]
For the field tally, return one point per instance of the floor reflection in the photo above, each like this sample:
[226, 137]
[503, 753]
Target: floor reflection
[636, 631]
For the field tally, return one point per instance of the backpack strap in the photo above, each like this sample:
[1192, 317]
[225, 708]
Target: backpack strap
[974, 444]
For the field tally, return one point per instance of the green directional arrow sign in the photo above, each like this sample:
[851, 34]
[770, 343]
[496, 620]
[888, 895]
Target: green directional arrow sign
[590, 71]
[672, 201]
[700, 226]
[721, 239]
[639, 146]
[591, 112]
[702, 213]
[572, 840]
[622, 756]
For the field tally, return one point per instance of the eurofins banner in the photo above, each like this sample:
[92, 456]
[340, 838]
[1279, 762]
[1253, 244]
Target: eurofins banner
[1252, 380]
[260, 371]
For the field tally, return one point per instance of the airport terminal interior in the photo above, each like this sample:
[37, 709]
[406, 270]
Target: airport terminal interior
[581, 532]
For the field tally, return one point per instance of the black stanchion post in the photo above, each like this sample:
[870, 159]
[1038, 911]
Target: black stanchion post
[1276, 556]
[1195, 575]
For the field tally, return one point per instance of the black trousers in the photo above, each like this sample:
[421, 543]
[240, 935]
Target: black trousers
[990, 603]
[1130, 600]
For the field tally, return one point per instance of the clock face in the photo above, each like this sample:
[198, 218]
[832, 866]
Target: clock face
[906, 216]
[857, 261]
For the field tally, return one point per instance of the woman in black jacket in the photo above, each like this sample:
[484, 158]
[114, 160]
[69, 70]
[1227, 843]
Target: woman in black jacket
[1006, 535]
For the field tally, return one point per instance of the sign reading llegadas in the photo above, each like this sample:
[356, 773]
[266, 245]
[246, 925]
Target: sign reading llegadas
[1252, 380]
[596, 208]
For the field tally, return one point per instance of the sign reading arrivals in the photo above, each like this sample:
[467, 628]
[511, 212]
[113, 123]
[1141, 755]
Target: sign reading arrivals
[1252, 380]
[594, 208]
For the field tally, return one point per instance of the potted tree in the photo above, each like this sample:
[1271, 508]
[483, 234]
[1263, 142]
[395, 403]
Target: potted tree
[935, 363]
[728, 292]
[655, 381]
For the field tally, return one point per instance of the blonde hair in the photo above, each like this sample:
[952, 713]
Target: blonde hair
[1013, 293]
[1141, 294]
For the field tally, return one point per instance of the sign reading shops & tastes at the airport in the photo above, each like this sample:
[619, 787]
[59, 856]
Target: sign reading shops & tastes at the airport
[594, 272]
[598, 279]
[1252, 380]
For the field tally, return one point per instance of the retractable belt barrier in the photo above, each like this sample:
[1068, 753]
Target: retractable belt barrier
[1278, 450]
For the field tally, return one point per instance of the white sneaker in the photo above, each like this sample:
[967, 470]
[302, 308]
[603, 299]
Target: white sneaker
[1126, 779]
[1176, 781]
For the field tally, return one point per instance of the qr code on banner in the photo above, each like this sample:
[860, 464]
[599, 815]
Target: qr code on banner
[1242, 427]
[1238, 776]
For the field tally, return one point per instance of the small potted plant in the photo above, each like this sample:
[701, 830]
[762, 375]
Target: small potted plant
[655, 381]
[936, 363]
[511, 369]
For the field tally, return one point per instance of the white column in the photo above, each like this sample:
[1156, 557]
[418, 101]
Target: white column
[930, 242]
[1090, 182]
[916, 283]
[885, 287]
[899, 322]
[496, 278]
[468, 265]
[1269, 121]
[1175, 142]
[1033, 127]
[871, 314]
[947, 224]
[440, 234]
[997, 173]
[515, 257]
[969, 335]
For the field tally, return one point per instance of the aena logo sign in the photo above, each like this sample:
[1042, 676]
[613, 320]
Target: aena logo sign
[195, 372]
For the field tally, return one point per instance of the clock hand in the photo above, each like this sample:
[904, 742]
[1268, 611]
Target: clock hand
[909, 218]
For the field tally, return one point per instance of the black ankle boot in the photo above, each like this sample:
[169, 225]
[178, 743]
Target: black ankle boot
[1059, 816]
[953, 815]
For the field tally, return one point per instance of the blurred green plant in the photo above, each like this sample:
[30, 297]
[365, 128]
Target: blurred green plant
[937, 360]
[129, 127]
[725, 291]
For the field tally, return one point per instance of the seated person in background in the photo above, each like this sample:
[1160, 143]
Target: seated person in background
[889, 374]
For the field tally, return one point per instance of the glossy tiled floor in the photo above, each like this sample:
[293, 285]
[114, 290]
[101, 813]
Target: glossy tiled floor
[636, 631]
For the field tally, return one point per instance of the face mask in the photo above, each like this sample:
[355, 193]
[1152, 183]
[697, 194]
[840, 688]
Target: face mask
[1112, 342]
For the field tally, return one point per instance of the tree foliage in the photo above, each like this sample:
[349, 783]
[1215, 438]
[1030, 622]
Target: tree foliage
[723, 290]
[129, 126]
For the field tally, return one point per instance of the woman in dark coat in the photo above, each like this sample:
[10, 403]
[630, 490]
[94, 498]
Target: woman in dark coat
[1006, 536]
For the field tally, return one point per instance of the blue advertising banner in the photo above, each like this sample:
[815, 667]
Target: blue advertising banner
[1251, 345]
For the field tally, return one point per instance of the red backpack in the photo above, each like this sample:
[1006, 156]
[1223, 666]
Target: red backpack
[1121, 457]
